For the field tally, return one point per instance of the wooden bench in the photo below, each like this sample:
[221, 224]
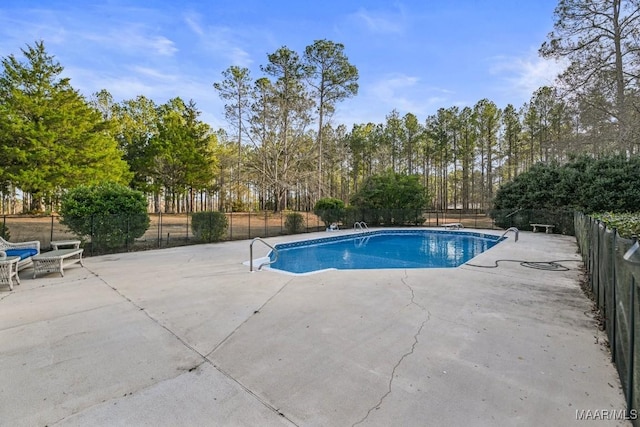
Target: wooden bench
[548, 227]
[54, 261]
[453, 225]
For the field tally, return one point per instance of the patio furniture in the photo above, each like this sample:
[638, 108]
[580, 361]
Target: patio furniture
[453, 226]
[8, 270]
[56, 261]
[58, 244]
[24, 250]
[333, 227]
[548, 227]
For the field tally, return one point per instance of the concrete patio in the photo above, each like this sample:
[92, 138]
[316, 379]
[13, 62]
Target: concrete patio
[188, 336]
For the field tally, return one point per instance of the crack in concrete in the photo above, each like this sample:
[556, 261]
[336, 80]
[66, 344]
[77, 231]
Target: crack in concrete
[404, 356]
[205, 357]
[413, 294]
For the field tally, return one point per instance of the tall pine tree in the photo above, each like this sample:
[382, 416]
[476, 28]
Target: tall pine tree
[50, 138]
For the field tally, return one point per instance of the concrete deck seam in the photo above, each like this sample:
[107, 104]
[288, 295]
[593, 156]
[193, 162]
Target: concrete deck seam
[404, 356]
[253, 394]
[204, 358]
[6, 296]
[43, 285]
[225, 339]
[146, 313]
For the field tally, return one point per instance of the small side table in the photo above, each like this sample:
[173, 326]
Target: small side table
[9, 270]
[58, 244]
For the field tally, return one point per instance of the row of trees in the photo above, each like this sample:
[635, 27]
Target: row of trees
[282, 149]
[165, 150]
[173, 156]
[464, 154]
[52, 139]
[272, 115]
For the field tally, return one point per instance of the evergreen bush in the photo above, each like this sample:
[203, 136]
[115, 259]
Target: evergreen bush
[552, 191]
[329, 210]
[110, 214]
[209, 226]
[294, 223]
[627, 224]
[391, 199]
[4, 231]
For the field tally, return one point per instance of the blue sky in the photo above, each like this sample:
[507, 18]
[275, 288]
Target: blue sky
[413, 56]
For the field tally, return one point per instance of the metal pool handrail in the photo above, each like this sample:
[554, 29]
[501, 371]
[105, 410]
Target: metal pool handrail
[360, 224]
[514, 229]
[251, 254]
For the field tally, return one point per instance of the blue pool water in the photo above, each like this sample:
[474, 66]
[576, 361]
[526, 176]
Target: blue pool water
[383, 249]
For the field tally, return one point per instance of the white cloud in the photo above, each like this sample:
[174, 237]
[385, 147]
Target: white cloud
[381, 22]
[524, 75]
[219, 40]
[225, 42]
[401, 92]
[408, 94]
[162, 45]
[387, 89]
[153, 84]
[154, 74]
[193, 22]
[133, 40]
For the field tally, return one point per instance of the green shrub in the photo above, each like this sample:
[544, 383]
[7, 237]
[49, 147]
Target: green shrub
[294, 223]
[111, 214]
[607, 184]
[4, 231]
[329, 210]
[239, 206]
[561, 219]
[351, 216]
[391, 199]
[209, 226]
[627, 224]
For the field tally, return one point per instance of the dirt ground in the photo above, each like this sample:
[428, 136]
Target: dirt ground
[175, 229]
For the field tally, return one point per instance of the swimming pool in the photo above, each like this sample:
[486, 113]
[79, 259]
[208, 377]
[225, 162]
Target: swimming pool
[382, 249]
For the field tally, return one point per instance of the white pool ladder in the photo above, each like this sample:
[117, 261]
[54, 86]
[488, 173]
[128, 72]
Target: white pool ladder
[361, 241]
[360, 225]
[251, 254]
[515, 230]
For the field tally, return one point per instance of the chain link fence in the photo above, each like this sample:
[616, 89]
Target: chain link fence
[522, 219]
[614, 283]
[169, 230]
